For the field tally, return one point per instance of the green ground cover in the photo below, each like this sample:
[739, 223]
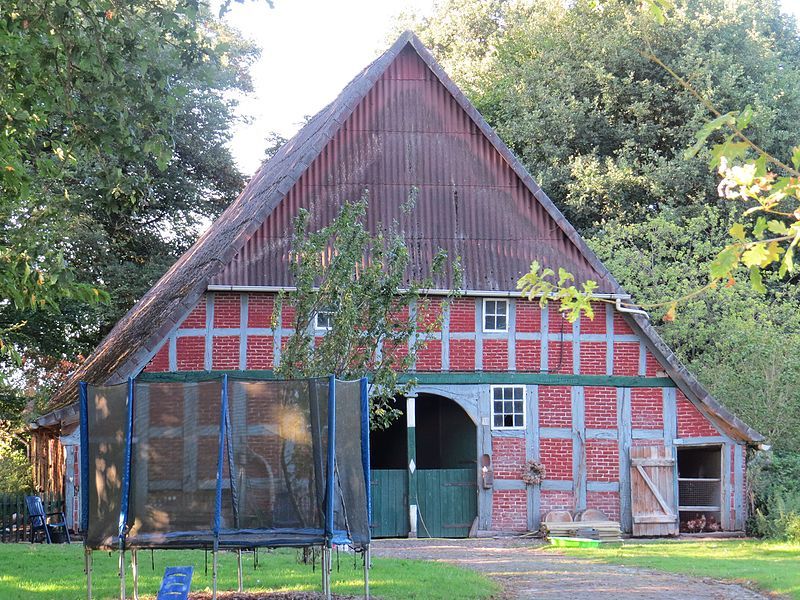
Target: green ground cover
[47, 572]
[769, 566]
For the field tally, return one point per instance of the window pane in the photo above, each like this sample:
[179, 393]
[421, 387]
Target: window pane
[518, 393]
[498, 420]
[517, 420]
[518, 406]
[500, 307]
[508, 407]
[498, 407]
[498, 393]
[508, 420]
[490, 307]
[489, 322]
[500, 323]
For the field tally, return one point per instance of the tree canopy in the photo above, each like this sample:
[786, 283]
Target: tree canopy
[572, 89]
[115, 119]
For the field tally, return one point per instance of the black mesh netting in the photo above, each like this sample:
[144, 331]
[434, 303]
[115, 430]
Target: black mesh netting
[274, 455]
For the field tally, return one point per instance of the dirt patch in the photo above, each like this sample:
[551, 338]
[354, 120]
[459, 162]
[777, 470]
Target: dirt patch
[527, 571]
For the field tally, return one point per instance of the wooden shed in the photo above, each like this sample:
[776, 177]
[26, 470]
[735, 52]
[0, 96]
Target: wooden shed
[604, 405]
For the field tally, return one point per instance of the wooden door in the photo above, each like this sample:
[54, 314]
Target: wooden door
[448, 502]
[389, 503]
[653, 492]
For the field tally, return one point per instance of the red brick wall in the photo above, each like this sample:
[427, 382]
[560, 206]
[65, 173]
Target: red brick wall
[225, 352]
[608, 502]
[462, 315]
[559, 357]
[626, 358]
[508, 457]
[528, 355]
[691, 422]
[555, 406]
[529, 317]
[260, 352]
[462, 355]
[593, 358]
[495, 355]
[556, 500]
[600, 407]
[602, 460]
[598, 324]
[556, 456]
[191, 352]
[160, 362]
[227, 311]
[429, 358]
[197, 318]
[510, 510]
[260, 308]
[647, 408]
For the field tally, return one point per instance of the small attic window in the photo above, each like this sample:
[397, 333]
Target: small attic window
[495, 316]
[323, 320]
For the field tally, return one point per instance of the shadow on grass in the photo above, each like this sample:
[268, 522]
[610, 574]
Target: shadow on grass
[47, 572]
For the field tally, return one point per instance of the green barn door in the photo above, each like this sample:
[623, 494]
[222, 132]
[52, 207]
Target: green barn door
[389, 503]
[448, 502]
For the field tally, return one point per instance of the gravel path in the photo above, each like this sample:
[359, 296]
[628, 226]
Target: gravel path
[526, 571]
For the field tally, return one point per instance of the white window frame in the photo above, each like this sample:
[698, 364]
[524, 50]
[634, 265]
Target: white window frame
[319, 327]
[524, 389]
[495, 315]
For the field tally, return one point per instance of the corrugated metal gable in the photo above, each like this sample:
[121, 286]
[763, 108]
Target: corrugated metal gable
[409, 135]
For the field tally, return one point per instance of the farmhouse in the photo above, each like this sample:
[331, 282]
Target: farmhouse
[603, 405]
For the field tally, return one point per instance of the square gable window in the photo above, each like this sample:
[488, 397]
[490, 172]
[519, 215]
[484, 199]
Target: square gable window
[508, 406]
[495, 316]
[323, 320]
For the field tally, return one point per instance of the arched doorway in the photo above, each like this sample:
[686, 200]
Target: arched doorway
[425, 471]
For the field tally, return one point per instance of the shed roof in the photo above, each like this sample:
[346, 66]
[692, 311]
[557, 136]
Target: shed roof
[399, 124]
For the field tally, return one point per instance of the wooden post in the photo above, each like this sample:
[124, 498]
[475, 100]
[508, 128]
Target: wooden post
[135, 573]
[411, 430]
[122, 592]
[239, 565]
[367, 558]
[87, 565]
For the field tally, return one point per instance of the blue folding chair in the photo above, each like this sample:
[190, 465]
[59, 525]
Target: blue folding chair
[39, 521]
[176, 583]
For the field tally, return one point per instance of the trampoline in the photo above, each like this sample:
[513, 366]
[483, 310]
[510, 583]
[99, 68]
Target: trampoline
[227, 463]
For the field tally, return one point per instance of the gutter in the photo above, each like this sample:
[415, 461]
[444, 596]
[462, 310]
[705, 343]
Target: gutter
[429, 291]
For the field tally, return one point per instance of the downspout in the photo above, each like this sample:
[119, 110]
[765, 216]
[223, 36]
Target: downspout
[633, 311]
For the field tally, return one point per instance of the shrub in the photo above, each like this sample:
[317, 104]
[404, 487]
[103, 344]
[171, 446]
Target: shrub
[775, 495]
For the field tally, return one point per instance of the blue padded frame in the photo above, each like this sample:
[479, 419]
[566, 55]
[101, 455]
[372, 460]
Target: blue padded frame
[126, 472]
[365, 448]
[220, 460]
[331, 467]
[83, 394]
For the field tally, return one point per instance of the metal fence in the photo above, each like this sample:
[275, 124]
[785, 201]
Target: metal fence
[14, 525]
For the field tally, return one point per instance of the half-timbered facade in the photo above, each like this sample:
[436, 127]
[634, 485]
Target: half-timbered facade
[616, 421]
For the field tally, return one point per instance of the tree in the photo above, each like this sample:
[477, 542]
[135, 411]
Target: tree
[112, 158]
[355, 285]
[601, 102]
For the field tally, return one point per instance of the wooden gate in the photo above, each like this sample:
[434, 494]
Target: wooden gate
[653, 492]
[448, 502]
[389, 503]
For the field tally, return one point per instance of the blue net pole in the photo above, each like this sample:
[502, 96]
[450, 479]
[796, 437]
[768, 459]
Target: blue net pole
[83, 393]
[331, 460]
[126, 473]
[218, 496]
[220, 459]
[365, 448]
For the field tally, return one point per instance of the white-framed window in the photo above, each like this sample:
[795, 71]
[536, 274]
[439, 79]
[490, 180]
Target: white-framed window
[508, 406]
[323, 320]
[495, 315]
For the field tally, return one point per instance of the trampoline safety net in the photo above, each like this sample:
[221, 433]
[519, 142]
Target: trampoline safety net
[233, 463]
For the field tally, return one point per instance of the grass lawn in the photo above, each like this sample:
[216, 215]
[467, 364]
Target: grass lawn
[770, 566]
[48, 572]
